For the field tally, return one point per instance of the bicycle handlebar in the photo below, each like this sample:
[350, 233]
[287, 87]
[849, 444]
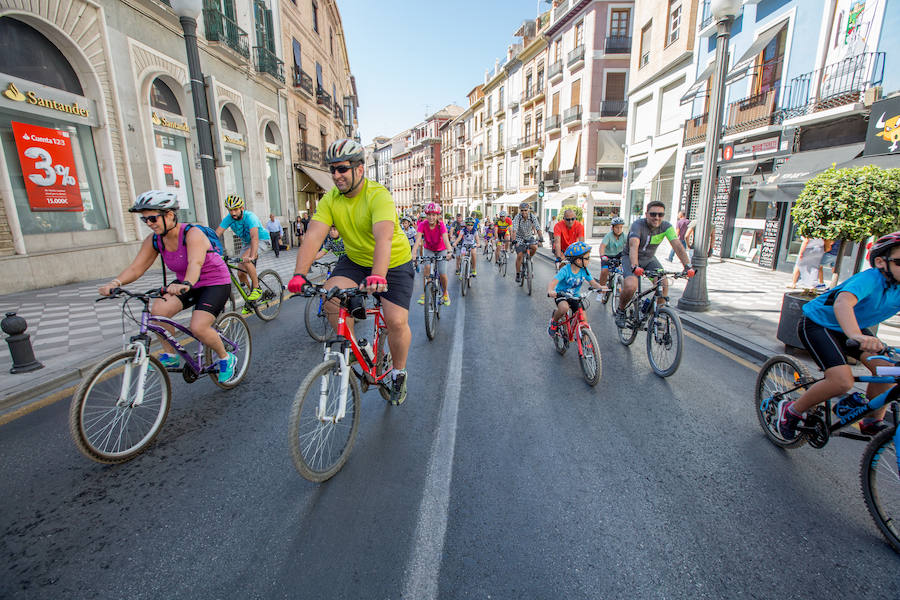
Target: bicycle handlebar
[116, 292]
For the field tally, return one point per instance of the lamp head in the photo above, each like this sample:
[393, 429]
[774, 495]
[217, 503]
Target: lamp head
[187, 8]
[539, 154]
[725, 9]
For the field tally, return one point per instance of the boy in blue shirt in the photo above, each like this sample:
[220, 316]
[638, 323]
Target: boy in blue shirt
[845, 312]
[568, 280]
[249, 228]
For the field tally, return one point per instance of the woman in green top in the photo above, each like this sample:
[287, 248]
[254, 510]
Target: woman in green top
[612, 246]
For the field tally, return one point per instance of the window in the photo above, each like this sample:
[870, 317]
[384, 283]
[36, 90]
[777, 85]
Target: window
[557, 46]
[538, 124]
[162, 97]
[49, 66]
[227, 120]
[315, 11]
[500, 98]
[609, 174]
[265, 37]
[500, 135]
[528, 82]
[319, 83]
[645, 45]
[500, 180]
[540, 77]
[619, 21]
[615, 86]
[488, 140]
[331, 40]
[579, 34]
[674, 22]
[576, 92]
[769, 65]
[298, 62]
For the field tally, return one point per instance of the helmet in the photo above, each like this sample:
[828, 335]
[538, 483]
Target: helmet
[503, 214]
[406, 218]
[577, 249]
[155, 200]
[470, 221]
[617, 221]
[345, 149]
[432, 208]
[883, 245]
[524, 205]
[233, 202]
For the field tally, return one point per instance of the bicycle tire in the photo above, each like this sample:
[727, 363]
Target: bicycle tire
[463, 276]
[778, 374]
[272, 295]
[505, 264]
[384, 363]
[879, 464]
[529, 273]
[305, 452]
[589, 356]
[628, 333]
[317, 324]
[670, 339]
[561, 339]
[430, 308]
[616, 292]
[234, 327]
[103, 377]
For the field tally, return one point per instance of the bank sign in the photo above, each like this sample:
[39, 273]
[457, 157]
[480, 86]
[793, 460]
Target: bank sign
[48, 167]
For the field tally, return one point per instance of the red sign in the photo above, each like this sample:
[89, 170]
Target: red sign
[728, 152]
[48, 167]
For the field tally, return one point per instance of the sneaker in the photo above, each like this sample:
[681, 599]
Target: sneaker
[398, 387]
[226, 367]
[170, 361]
[474, 274]
[254, 295]
[621, 321]
[787, 420]
[246, 310]
[551, 329]
[518, 277]
[446, 300]
[421, 299]
[872, 426]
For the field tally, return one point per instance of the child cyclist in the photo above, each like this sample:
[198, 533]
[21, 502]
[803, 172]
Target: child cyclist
[843, 314]
[568, 280]
[406, 224]
[466, 240]
[433, 240]
[334, 243]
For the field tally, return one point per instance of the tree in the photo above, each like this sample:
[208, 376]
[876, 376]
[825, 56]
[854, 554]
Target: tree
[579, 214]
[849, 205]
[477, 214]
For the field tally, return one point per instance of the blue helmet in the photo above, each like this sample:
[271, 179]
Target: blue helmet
[577, 250]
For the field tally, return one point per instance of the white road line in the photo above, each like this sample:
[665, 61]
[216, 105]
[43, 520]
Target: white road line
[423, 571]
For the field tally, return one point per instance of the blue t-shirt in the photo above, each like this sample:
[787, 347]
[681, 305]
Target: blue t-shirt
[569, 282]
[877, 301]
[243, 227]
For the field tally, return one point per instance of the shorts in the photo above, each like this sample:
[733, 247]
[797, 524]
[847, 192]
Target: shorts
[648, 265]
[502, 235]
[208, 298]
[400, 279]
[521, 245]
[246, 252]
[828, 260]
[574, 304]
[604, 261]
[459, 248]
[827, 346]
[440, 266]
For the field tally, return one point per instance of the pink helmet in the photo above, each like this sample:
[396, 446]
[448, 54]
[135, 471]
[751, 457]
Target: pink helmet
[432, 208]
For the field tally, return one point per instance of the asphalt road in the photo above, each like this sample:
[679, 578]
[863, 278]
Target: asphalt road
[503, 476]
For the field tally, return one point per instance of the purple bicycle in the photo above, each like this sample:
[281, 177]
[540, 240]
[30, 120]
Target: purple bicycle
[122, 402]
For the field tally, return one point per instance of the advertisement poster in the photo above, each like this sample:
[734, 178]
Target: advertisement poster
[172, 177]
[48, 167]
[883, 135]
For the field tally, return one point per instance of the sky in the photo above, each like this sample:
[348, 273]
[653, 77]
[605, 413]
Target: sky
[412, 55]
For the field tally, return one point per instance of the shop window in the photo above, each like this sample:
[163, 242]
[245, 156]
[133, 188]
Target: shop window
[162, 97]
[27, 54]
[228, 120]
[609, 174]
[270, 135]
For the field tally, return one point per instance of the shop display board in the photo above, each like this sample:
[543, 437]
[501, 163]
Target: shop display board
[768, 250]
[172, 174]
[48, 167]
[720, 212]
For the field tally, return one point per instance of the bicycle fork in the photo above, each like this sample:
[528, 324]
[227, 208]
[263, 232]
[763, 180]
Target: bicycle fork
[344, 383]
[142, 362]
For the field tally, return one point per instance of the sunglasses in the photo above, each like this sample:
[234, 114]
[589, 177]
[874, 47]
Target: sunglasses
[151, 218]
[572, 219]
[656, 214]
[341, 169]
[896, 261]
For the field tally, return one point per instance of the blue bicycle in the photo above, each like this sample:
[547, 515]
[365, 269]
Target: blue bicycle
[317, 324]
[879, 470]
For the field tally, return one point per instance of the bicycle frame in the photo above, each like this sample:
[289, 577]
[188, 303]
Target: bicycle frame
[573, 323]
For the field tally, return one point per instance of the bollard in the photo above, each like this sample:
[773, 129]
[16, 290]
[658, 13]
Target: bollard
[19, 344]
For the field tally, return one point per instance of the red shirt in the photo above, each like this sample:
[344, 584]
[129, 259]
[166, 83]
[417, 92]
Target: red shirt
[568, 236]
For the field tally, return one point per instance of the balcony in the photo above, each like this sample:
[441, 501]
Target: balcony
[323, 99]
[500, 112]
[222, 29]
[618, 44]
[751, 112]
[528, 95]
[303, 82]
[572, 114]
[576, 58]
[513, 146]
[513, 103]
[310, 154]
[614, 108]
[844, 82]
[554, 122]
[529, 141]
[268, 63]
[555, 72]
[338, 114]
[561, 9]
[707, 20]
[488, 118]
[695, 129]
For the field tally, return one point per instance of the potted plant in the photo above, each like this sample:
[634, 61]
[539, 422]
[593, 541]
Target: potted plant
[850, 205]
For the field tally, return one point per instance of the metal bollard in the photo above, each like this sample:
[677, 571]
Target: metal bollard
[19, 344]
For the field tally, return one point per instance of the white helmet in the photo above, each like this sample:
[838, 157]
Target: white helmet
[345, 149]
[155, 200]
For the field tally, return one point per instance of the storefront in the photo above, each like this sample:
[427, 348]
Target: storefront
[234, 147]
[171, 138]
[273, 171]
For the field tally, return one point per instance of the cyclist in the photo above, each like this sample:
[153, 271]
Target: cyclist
[249, 228]
[488, 230]
[568, 280]
[202, 280]
[846, 312]
[378, 257]
[333, 243]
[522, 227]
[644, 237]
[466, 241]
[566, 232]
[502, 225]
[406, 224]
[433, 240]
[612, 246]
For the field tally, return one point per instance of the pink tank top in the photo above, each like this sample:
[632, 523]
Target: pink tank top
[213, 271]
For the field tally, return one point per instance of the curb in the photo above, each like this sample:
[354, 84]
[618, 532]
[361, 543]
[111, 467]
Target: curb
[17, 400]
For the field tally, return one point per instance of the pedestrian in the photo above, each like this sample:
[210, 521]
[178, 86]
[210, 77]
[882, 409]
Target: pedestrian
[808, 264]
[298, 229]
[832, 247]
[273, 226]
[681, 227]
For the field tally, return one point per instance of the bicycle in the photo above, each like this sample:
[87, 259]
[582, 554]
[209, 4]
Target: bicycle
[488, 249]
[121, 404]
[325, 413]
[314, 316]
[665, 340]
[432, 296]
[616, 277]
[879, 469]
[526, 275]
[575, 328]
[465, 269]
[268, 305]
[502, 259]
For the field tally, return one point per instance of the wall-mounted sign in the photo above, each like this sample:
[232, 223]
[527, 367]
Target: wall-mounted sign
[161, 121]
[48, 167]
[750, 149]
[234, 138]
[273, 150]
[13, 93]
[883, 135]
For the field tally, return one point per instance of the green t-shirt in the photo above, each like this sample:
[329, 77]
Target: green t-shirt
[354, 218]
[613, 246]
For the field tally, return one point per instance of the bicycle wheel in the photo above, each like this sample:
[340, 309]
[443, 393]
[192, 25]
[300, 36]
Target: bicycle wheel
[629, 332]
[111, 430]
[561, 339]
[317, 324]
[384, 363]
[664, 342]
[320, 445]
[233, 327]
[529, 273]
[430, 310]
[504, 262]
[779, 374]
[463, 277]
[269, 304]
[591, 362]
[616, 292]
[879, 475]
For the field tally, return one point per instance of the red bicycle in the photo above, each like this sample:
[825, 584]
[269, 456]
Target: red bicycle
[325, 414]
[575, 328]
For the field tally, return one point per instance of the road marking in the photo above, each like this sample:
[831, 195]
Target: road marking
[720, 350]
[421, 581]
[33, 406]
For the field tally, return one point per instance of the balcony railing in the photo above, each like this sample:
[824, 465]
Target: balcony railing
[575, 56]
[614, 108]
[555, 70]
[529, 140]
[618, 44]
[707, 17]
[572, 113]
[267, 62]
[843, 82]
[528, 94]
[220, 28]
[751, 112]
[513, 145]
[553, 122]
[338, 113]
[561, 9]
[323, 98]
[302, 81]
[695, 129]
[310, 154]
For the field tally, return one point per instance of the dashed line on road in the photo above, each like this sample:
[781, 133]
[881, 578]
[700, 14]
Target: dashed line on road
[421, 579]
[720, 350]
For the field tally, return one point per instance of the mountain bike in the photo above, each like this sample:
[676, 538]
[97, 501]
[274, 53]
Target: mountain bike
[665, 340]
[121, 404]
[324, 417]
[526, 274]
[575, 328]
[465, 269]
[879, 469]
[502, 259]
[317, 325]
[268, 305]
[614, 265]
[433, 299]
[488, 249]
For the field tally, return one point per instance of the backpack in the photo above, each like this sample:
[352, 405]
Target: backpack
[214, 243]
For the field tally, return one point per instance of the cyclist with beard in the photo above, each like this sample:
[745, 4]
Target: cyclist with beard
[249, 228]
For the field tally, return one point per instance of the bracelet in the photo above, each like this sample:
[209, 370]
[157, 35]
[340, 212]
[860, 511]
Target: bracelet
[117, 281]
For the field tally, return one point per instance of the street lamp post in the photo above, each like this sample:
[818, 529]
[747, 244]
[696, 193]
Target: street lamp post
[539, 156]
[188, 11]
[696, 297]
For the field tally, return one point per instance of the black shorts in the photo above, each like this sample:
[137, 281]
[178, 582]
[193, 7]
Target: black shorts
[604, 261]
[574, 304]
[827, 346]
[209, 298]
[400, 279]
[648, 265]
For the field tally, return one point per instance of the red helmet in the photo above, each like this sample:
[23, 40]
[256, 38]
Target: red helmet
[432, 208]
[882, 246]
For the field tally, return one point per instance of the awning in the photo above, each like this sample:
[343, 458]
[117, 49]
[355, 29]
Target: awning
[517, 198]
[885, 161]
[773, 193]
[738, 169]
[654, 166]
[803, 166]
[607, 198]
[745, 62]
[704, 75]
[549, 154]
[568, 151]
[610, 151]
[553, 201]
[574, 191]
[322, 179]
[460, 201]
